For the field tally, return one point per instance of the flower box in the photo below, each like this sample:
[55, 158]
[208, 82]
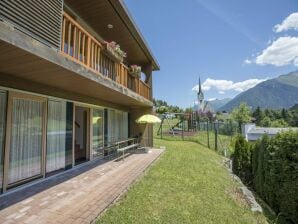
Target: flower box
[135, 70]
[114, 51]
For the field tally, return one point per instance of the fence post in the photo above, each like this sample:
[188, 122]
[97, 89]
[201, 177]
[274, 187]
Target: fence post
[215, 136]
[183, 128]
[161, 129]
[208, 142]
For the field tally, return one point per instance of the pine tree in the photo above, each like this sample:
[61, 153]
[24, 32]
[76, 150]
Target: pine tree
[258, 114]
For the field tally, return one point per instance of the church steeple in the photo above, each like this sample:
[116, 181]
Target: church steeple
[200, 93]
[200, 89]
[200, 96]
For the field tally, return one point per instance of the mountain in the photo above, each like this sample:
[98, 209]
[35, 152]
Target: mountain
[216, 104]
[281, 92]
[213, 105]
[295, 107]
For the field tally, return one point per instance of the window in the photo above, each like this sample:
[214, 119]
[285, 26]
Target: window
[97, 132]
[59, 136]
[3, 99]
[26, 140]
[117, 125]
[56, 136]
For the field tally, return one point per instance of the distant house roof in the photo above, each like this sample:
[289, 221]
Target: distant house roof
[253, 133]
[269, 131]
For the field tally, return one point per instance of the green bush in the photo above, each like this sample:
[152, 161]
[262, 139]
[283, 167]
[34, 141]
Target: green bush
[275, 173]
[260, 164]
[242, 159]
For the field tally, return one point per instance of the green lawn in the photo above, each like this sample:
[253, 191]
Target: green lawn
[188, 184]
[224, 142]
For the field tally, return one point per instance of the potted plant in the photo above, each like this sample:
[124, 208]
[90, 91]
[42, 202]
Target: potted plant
[114, 51]
[135, 70]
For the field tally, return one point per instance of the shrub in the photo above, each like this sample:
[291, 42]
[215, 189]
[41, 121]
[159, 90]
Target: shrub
[260, 164]
[285, 168]
[242, 159]
[266, 122]
[275, 173]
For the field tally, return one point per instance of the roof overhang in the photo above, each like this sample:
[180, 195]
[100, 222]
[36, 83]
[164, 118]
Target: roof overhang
[99, 13]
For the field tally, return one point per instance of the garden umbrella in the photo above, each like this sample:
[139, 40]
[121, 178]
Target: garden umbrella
[148, 119]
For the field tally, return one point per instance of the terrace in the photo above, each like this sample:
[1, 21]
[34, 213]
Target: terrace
[77, 196]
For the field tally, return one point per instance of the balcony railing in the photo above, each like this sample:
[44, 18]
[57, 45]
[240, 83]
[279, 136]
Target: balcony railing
[82, 47]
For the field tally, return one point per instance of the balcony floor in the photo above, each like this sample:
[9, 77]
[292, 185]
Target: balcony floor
[77, 196]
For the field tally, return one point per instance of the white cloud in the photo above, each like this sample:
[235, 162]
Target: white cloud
[247, 61]
[220, 85]
[283, 51]
[224, 85]
[291, 22]
[211, 99]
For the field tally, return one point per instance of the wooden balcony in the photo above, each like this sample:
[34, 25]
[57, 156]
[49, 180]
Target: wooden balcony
[82, 47]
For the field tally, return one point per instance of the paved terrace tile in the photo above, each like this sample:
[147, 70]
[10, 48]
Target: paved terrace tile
[77, 196]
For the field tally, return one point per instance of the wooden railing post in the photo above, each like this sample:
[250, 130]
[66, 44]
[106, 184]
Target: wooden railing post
[63, 35]
[88, 51]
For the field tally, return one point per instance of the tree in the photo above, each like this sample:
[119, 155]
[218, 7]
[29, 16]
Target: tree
[269, 113]
[189, 110]
[241, 114]
[242, 159]
[279, 123]
[258, 114]
[160, 107]
[266, 122]
[162, 110]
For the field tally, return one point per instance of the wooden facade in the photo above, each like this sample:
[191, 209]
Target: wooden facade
[41, 19]
[55, 54]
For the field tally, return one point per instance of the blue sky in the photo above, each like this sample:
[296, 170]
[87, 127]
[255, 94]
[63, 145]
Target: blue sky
[227, 42]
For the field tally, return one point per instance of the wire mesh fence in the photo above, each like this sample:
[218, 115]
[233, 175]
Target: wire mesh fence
[216, 135]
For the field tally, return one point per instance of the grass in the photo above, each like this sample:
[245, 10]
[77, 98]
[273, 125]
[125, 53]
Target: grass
[188, 184]
[224, 142]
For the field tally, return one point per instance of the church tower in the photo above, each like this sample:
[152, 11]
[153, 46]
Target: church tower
[200, 96]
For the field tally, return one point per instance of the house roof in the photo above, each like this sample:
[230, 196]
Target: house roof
[269, 131]
[99, 13]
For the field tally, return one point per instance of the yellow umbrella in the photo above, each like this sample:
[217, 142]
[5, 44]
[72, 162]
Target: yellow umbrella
[148, 119]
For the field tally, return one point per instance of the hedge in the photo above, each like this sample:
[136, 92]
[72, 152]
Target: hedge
[242, 159]
[272, 170]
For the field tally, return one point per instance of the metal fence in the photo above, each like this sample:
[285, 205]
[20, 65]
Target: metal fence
[216, 135]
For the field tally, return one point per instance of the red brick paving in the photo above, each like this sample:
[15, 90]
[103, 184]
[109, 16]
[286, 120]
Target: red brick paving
[78, 196]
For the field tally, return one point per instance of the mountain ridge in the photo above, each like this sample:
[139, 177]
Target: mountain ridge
[277, 93]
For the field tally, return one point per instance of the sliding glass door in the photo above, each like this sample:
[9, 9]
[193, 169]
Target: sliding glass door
[117, 125]
[59, 136]
[26, 138]
[3, 96]
[56, 136]
[97, 132]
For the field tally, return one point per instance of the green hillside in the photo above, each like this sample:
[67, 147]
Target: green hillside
[281, 92]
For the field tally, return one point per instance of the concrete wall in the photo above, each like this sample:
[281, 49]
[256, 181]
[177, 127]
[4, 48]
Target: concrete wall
[245, 129]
